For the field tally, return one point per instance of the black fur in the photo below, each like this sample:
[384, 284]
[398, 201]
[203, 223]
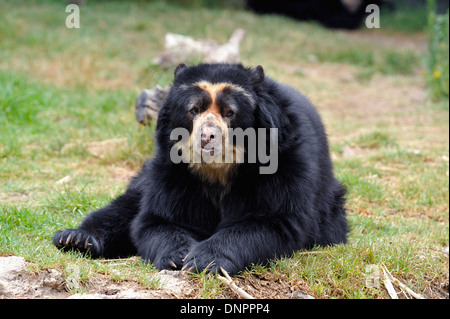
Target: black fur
[331, 13]
[172, 218]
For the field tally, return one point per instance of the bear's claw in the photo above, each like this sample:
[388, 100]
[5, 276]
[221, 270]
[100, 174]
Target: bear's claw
[74, 239]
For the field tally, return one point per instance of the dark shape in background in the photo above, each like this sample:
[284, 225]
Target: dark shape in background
[340, 14]
[345, 14]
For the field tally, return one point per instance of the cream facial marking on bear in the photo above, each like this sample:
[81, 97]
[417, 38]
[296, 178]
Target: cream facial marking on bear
[215, 169]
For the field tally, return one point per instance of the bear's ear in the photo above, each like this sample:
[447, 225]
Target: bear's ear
[257, 75]
[179, 68]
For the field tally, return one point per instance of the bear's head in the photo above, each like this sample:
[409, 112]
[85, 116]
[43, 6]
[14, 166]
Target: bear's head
[208, 111]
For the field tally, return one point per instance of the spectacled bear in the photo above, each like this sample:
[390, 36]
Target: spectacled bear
[205, 215]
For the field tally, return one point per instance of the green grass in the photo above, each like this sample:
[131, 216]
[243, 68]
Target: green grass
[375, 139]
[437, 59]
[64, 91]
[383, 61]
[404, 18]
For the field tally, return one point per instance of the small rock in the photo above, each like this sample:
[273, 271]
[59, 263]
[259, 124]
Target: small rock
[4, 291]
[9, 266]
[54, 280]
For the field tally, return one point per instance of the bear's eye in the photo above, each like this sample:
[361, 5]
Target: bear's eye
[194, 111]
[229, 113]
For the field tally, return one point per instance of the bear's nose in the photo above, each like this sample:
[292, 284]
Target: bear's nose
[207, 136]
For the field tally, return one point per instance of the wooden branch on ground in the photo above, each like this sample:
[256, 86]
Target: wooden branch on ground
[400, 284]
[229, 282]
[388, 284]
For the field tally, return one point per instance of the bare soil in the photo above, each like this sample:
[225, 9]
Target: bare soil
[17, 281]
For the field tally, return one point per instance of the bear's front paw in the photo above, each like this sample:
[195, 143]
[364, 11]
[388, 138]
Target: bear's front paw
[171, 257]
[74, 239]
[171, 261]
[204, 258]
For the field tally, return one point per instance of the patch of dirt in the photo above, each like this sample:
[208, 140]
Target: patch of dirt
[269, 287]
[18, 282]
[68, 69]
[14, 196]
[121, 174]
[97, 149]
[414, 42]
[175, 285]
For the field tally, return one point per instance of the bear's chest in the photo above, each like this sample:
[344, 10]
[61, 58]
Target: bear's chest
[214, 194]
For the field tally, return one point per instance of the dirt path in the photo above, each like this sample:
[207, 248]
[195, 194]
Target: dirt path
[18, 282]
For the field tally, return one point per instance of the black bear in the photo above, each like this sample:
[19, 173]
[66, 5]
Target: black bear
[206, 200]
[343, 14]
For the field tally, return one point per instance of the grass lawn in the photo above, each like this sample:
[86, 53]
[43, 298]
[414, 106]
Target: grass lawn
[69, 141]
